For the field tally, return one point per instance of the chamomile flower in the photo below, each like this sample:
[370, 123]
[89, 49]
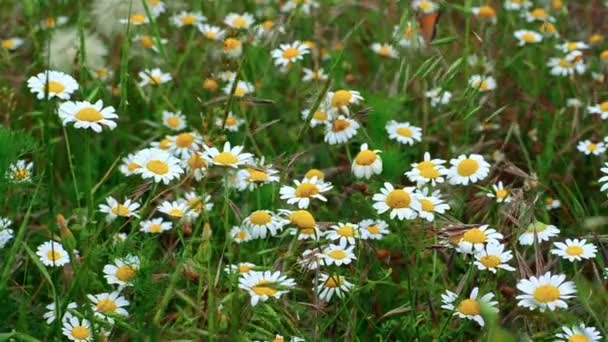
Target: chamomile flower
[158, 165]
[212, 32]
[425, 6]
[538, 14]
[340, 130]
[476, 238]
[233, 47]
[314, 75]
[229, 157]
[174, 121]
[115, 209]
[128, 165]
[149, 42]
[58, 84]
[258, 175]
[6, 233]
[545, 292]
[88, 115]
[11, 43]
[136, 19]
[427, 171]
[344, 233]
[263, 285]
[485, 12]
[20, 171]
[310, 259]
[572, 46]
[540, 231]
[157, 7]
[239, 21]
[401, 203]
[493, 257]
[338, 254]
[373, 229]
[185, 143]
[155, 226]
[314, 173]
[240, 234]
[153, 77]
[322, 116]
[197, 203]
[600, 109]
[51, 253]
[579, 333]
[430, 204]
[367, 163]
[176, 209]
[403, 132]
[516, 5]
[286, 54]
[102, 73]
[231, 124]
[122, 271]
[569, 65]
[469, 308]
[328, 285]
[76, 329]
[108, 303]
[482, 83]
[525, 37]
[465, 169]
[340, 100]
[185, 18]
[240, 268]
[303, 6]
[262, 223]
[51, 315]
[552, 203]
[195, 165]
[384, 50]
[304, 191]
[242, 88]
[574, 249]
[52, 22]
[303, 223]
[438, 96]
[407, 36]
[588, 147]
[499, 192]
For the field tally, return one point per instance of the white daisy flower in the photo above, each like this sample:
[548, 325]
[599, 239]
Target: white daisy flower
[287, 54]
[425, 6]
[572, 46]
[427, 171]
[240, 268]
[149, 43]
[20, 171]
[340, 130]
[579, 333]
[304, 191]
[52, 22]
[128, 165]
[499, 192]
[11, 43]
[338, 254]
[240, 234]
[543, 232]
[156, 7]
[469, 308]
[262, 223]
[310, 259]
[384, 50]
[468, 169]
[239, 21]
[257, 175]
[58, 84]
[314, 75]
[102, 73]
[157, 164]
[402, 203]
[485, 12]
[195, 165]
[212, 32]
[403, 132]
[525, 37]
[476, 238]
[185, 18]
[367, 163]
[136, 19]
[108, 303]
[229, 157]
[373, 229]
[51, 253]
[430, 204]
[545, 292]
[242, 88]
[114, 209]
[176, 209]
[344, 233]
[174, 121]
[123, 271]
[341, 99]
[155, 226]
[329, 285]
[231, 124]
[493, 257]
[569, 65]
[184, 144]
[6, 234]
[438, 96]
[588, 147]
[552, 203]
[233, 47]
[264, 285]
[303, 224]
[574, 249]
[538, 14]
[87, 115]
[50, 316]
[154, 77]
[516, 5]
[482, 83]
[197, 203]
[600, 109]
[76, 329]
[407, 36]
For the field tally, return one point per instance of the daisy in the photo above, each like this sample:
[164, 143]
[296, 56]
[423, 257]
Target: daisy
[76, 329]
[57, 84]
[108, 303]
[136, 19]
[574, 250]
[154, 77]
[184, 144]
[425, 6]
[320, 175]
[552, 203]
[403, 132]
[373, 229]
[11, 43]
[20, 172]
[114, 209]
[174, 121]
[51, 315]
[344, 233]
[482, 83]
[51, 253]
[263, 285]
[240, 268]
[427, 171]
[264, 222]
[103, 73]
[196, 165]
[545, 292]
[340, 130]
[254, 176]
[314, 75]
[384, 50]
[499, 192]
[468, 169]
[128, 165]
[579, 333]
[231, 124]
[240, 234]
[155, 226]
[600, 109]
[525, 37]
[210, 85]
[438, 96]
[123, 271]
[157, 164]
[88, 115]
[239, 21]
[341, 99]
[304, 191]
[185, 18]
[321, 116]
[156, 7]
[516, 5]
[430, 204]
[233, 47]
[149, 42]
[485, 12]
[402, 203]
[242, 88]
[571, 46]
[286, 54]
[304, 223]
[310, 259]
[538, 14]
[175, 209]
[548, 29]
[229, 157]
[567, 66]
[197, 203]
[492, 257]
[367, 163]
[588, 147]
[469, 308]
[212, 32]
[303, 6]
[52, 22]
[475, 239]
[6, 234]
[543, 232]
[338, 254]
[329, 285]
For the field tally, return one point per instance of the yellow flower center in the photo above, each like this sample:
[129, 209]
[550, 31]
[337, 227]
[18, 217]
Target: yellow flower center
[211, 35]
[467, 167]
[155, 228]
[239, 22]
[89, 114]
[210, 84]
[365, 157]
[373, 229]
[405, 132]
[332, 281]
[475, 235]
[125, 273]
[538, 13]
[106, 305]
[315, 173]
[574, 250]
[490, 261]
[121, 210]
[306, 190]
[242, 235]
[240, 91]
[80, 332]
[425, 5]
[398, 199]
[578, 338]
[547, 27]
[407, 33]
[290, 53]
[549, 200]
[528, 37]
[188, 19]
[225, 158]
[54, 87]
[341, 98]
[260, 218]
[502, 193]
[303, 220]
[53, 255]
[158, 167]
[487, 12]
[572, 46]
[21, 174]
[591, 147]
[244, 268]
[138, 18]
[176, 212]
[146, 42]
[320, 115]
[101, 72]
[196, 162]
[546, 293]
[231, 44]
[231, 121]
[195, 204]
[338, 254]
[604, 106]
[604, 55]
[339, 125]
[173, 122]
[427, 205]
[427, 170]
[267, 25]
[469, 307]
[385, 51]
[557, 4]
[346, 231]
[8, 43]
[257, 175]
[483, 85]
[156, 79]
[184, 140]
[50, 22]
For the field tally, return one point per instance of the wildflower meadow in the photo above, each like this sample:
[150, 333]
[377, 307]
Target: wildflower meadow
[303, 170]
